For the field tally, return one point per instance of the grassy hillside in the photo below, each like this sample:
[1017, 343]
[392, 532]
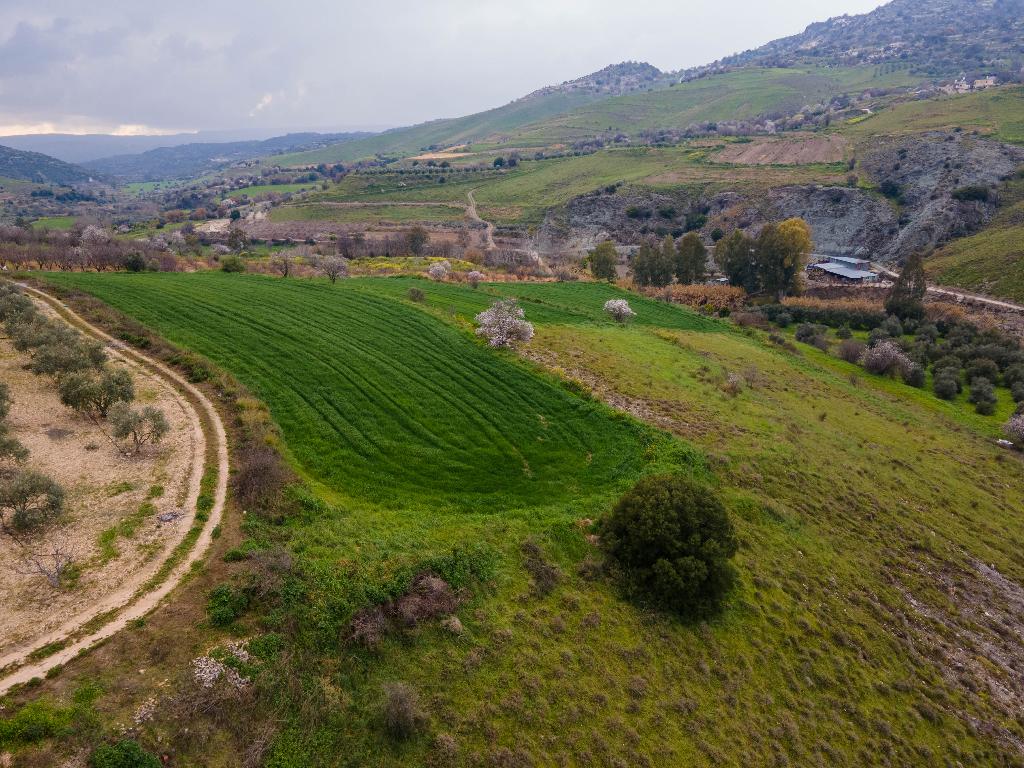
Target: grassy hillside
[564, 118]
[524, 194]
[997, 112]
[876, 523]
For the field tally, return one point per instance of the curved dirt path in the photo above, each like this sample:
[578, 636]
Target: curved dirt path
[472, 213]
[129, 601]
[961, 296]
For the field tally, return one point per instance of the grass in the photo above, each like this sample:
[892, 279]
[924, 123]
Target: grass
[850, 495]
[992, 260]
[997, 112]
[55, 222]
[259, 190]
[523, 195]
[560, 118]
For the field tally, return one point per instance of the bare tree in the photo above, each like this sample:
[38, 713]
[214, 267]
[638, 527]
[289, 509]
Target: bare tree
[51, 562]
[283, 263]
[333, 267]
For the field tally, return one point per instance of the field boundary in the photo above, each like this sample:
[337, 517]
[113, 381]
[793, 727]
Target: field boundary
[140, 598]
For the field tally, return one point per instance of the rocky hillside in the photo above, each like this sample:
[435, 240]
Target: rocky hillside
[613, 80]
[925, 190]
[42, 169]
[942, 37]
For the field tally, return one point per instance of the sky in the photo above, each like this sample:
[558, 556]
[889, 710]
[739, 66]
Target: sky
[145, 67]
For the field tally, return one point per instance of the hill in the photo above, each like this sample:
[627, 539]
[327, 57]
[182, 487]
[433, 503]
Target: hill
[941, 37]
[39, 168]
[194, 159]
[875, 610]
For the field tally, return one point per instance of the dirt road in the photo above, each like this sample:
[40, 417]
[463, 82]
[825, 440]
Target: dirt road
[961, 296]
[131, 601]
[489, 231]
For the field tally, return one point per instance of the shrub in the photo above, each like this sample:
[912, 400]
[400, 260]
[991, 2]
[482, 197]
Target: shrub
[619, 309]
[233, 264]
[982, 368]
[972, 193]
[124, 754]
[844, 332]
[914, 375]
[403, 716]
[852, 350]
[439, 270]
[946, 385]
[806, 332]
[983, 396]
[1014, 430]
[226, 604]
[417, 295]
[1017, 390]
[28, 501]
[892, 326]
[504, 324]
[672, 539]
[783, 319]
[885, 359]
[474, 278]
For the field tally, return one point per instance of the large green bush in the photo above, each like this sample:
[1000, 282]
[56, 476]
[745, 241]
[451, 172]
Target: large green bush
[124, 754]
[672, 540]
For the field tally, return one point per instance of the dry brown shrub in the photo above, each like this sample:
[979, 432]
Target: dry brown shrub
[369, 626]
[403, 716]
[847, 305]
[261, 474]
[429, 597]
[750, 320]
[714, 297]
[545, 575]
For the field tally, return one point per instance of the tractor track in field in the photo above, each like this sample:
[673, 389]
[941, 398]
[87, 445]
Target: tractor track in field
[133, 599]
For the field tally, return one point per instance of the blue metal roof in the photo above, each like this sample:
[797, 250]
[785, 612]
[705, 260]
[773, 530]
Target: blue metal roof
[843, 271]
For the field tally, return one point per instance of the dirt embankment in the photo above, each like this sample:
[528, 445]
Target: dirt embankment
[790, 151]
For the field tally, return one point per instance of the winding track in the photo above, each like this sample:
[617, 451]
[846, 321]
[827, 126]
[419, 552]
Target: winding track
[130, 601]
[475, 216]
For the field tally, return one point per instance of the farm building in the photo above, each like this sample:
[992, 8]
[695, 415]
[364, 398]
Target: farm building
[844, 269]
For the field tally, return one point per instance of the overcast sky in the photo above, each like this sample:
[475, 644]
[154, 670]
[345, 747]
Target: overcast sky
[131, 66]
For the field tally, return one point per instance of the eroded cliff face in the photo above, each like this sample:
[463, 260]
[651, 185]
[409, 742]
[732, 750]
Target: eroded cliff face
[931, 186]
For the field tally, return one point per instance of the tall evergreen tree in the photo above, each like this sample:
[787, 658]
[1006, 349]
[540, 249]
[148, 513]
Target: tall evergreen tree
[602, 261]
[691, 259]
[906, 299]
[654, 265]
[734, 255]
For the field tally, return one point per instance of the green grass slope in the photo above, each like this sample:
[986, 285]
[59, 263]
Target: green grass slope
[563, 118]
[867, 629]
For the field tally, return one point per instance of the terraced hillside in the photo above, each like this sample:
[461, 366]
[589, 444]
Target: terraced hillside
[875, 622]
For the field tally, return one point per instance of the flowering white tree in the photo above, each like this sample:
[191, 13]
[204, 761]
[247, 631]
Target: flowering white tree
[475, 278]
[619, 309]
[504, 324]
[1014, 429]
[886, 359]
[439, 270]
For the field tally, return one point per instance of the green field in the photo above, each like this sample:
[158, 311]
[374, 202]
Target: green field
[366, 214]
[55, 222]
[868, 511]
[260, 190]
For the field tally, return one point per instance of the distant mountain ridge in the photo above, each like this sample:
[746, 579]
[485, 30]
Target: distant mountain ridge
[194, 159]
[39, 168]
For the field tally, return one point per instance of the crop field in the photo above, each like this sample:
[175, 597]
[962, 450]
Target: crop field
[260, 190]
[367, 214]
[54, 222]
[876, 524]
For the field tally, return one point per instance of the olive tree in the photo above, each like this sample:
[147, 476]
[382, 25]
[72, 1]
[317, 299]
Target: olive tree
[29, 500]
[92, 394]
[133, 428]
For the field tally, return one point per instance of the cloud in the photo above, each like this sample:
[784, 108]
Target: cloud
[264, 102]
[333, 63]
